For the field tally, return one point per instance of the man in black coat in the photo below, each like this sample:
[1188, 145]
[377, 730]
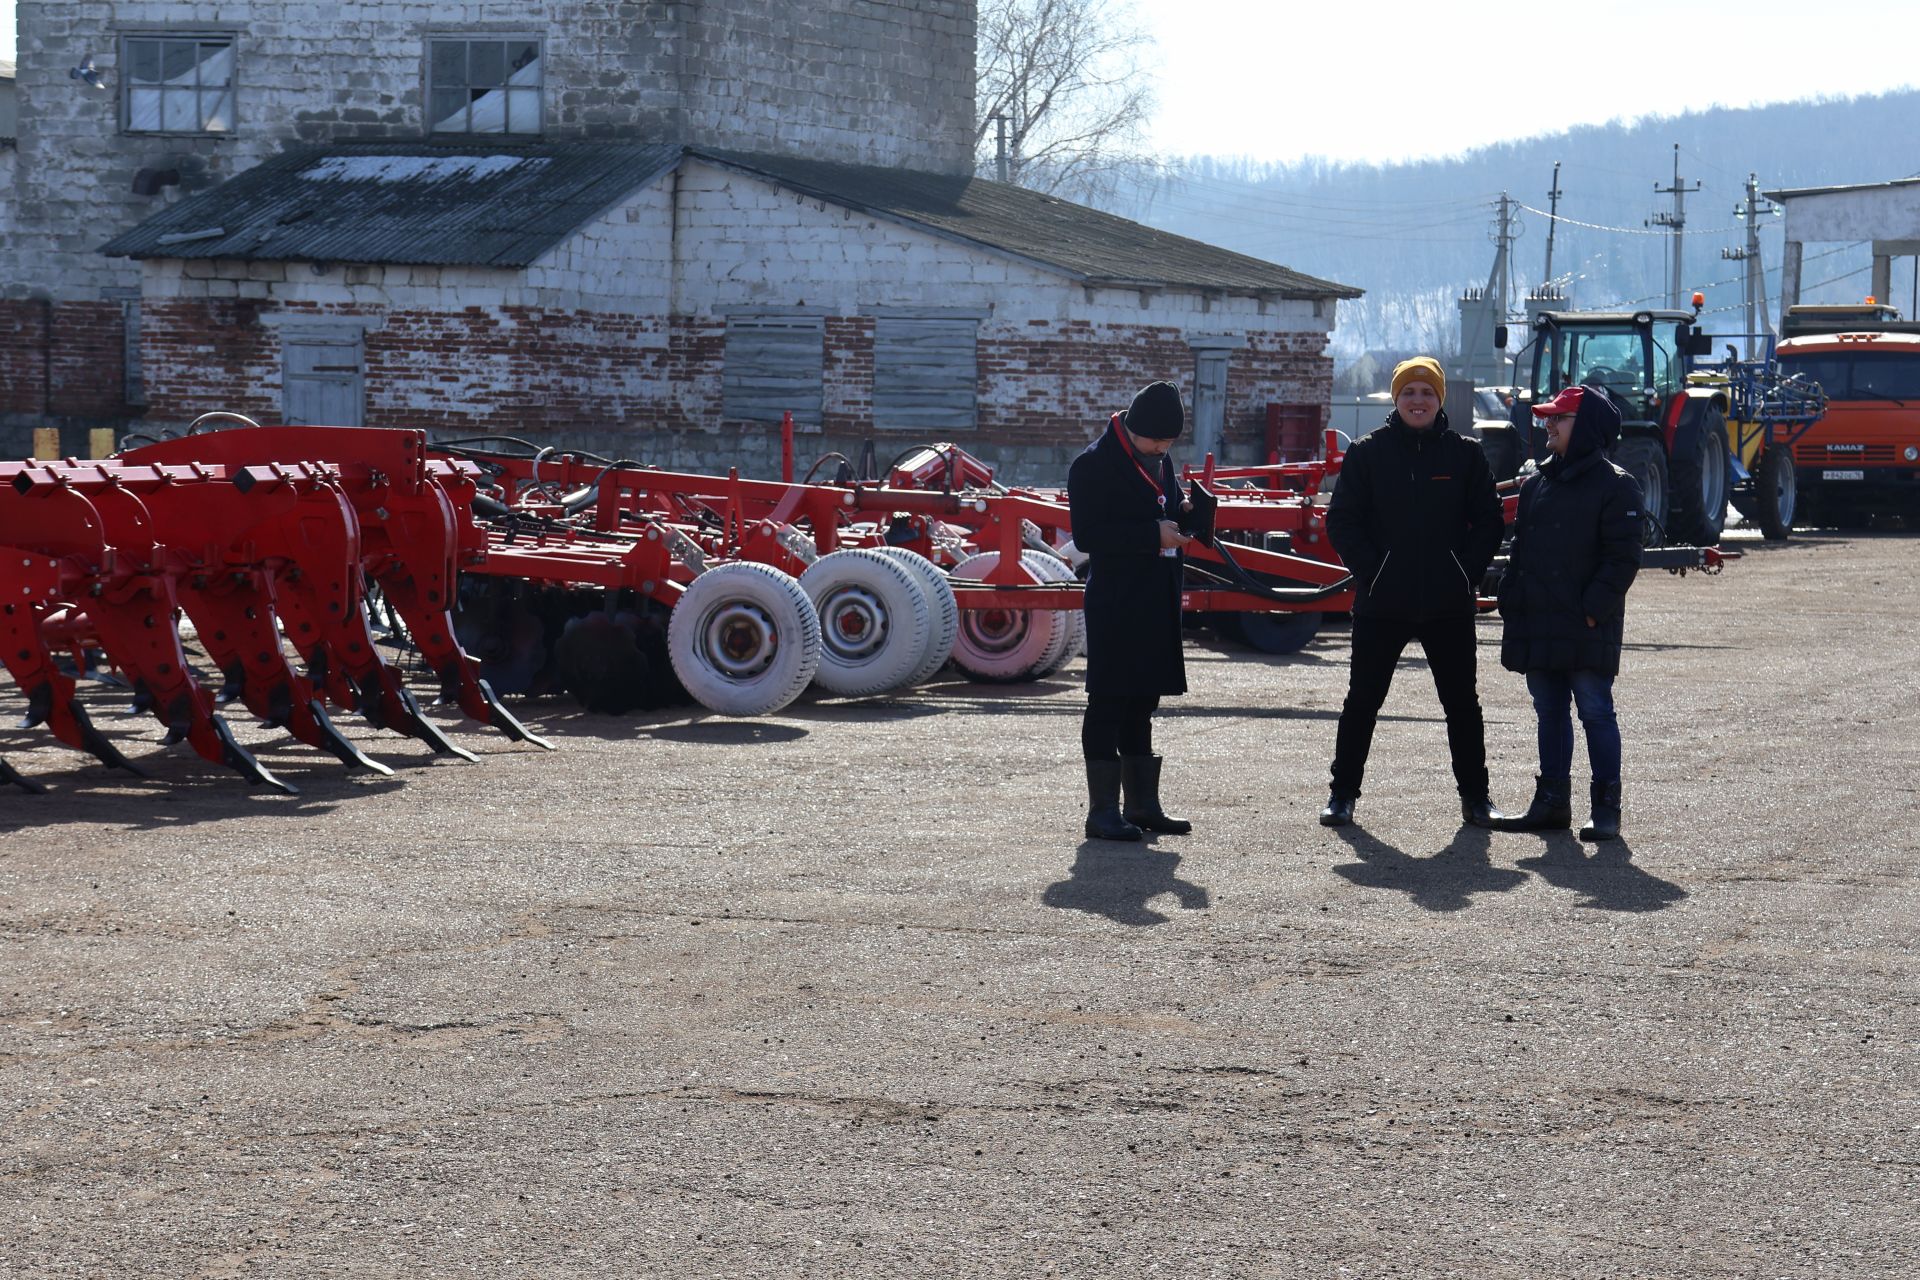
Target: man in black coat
[1124, 497]
[1416, 520]
[1576, 550]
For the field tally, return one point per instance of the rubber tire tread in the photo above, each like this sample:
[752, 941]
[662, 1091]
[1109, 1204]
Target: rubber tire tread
[909, 621]
[796, 627]
[1017, 665]
[945, 610]
[1688, 520]
[1638, 456]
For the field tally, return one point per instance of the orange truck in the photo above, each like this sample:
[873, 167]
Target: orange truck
[1862, 459]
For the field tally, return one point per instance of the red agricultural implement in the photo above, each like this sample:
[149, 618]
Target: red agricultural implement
[507, 568]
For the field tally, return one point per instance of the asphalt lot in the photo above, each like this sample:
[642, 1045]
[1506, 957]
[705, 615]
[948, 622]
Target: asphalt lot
[843, 993]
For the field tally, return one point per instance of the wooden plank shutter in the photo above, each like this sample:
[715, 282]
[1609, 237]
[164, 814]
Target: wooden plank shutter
[925, 370]
[773, 365]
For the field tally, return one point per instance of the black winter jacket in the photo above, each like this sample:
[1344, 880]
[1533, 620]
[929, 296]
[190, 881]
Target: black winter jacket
[1576, 550]
[1416, 520]
[1133, 592]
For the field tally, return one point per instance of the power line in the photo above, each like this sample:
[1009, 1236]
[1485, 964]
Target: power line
[1625, 231]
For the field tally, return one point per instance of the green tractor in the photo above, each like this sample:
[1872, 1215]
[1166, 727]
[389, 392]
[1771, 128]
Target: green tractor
[1674, 441]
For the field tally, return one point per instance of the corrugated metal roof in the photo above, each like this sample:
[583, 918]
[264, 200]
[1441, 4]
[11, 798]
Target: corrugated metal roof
[1828, 191]
[483, 204]
[1093, 247]
[504, 204]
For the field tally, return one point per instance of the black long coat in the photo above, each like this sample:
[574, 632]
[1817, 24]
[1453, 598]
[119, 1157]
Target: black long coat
[1576, 550]
[1133, 592]
[1416, 519]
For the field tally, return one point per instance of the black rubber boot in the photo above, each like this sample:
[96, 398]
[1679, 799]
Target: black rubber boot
[1103, 803]
[1140, 780]
[1551, 810]
[1605, 822]
[1339, 810]
[1481, 813]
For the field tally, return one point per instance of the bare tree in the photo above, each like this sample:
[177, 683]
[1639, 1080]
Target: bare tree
[1062, 77]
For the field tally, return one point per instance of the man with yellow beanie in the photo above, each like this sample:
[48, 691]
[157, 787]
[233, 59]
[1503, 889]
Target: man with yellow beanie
[1416, 519]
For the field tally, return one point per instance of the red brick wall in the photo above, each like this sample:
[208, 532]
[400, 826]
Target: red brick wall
[85, 376]
[614, 381]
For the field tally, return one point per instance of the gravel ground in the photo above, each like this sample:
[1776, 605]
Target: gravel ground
[842, 993]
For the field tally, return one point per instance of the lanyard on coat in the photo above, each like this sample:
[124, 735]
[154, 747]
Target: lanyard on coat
[1120, 433]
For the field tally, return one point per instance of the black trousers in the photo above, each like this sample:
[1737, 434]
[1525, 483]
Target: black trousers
[1117, 725]
[1449, 645]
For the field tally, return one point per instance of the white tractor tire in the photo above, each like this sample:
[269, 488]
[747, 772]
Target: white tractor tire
[1073, 637]
[945, 610]
[1005, 645]
[744, 639]
[875, 621]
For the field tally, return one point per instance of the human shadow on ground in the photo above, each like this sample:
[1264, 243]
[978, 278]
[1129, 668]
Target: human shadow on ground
[1443, 881]
[1117, 880]
[1607, 876]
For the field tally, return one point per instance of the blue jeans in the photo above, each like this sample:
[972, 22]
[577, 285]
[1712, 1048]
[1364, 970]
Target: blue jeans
[1592, 693]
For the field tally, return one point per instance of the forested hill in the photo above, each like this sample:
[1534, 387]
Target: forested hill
[1414, 235]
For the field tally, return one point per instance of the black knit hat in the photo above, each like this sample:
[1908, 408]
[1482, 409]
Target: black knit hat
[1155, 413]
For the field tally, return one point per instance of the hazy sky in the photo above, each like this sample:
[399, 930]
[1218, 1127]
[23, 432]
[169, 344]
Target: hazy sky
[1389, 79]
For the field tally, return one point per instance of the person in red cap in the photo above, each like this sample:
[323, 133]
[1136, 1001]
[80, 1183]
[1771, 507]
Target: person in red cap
[1576, 550]
[1416, 520]
[1126, 503]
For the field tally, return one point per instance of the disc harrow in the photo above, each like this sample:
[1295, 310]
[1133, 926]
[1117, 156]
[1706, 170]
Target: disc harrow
[508, 568]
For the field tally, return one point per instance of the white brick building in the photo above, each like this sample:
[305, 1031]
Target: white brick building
[697, 216]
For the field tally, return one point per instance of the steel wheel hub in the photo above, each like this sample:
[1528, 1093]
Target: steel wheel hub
[995, 630]
[854, 623]
[740, 640]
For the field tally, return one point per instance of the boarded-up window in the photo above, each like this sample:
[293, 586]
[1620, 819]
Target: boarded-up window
[924, 371]
[322, 376]
[773, 366]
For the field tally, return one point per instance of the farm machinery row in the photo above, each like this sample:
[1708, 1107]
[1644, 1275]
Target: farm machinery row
[262, 566]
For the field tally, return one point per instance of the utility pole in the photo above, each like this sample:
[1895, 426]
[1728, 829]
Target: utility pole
[1000, 149]
[1754, 283]
[1678, 221]
[1504, 235]
[1553, 220]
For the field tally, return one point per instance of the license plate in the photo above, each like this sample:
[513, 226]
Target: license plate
[1843, 475]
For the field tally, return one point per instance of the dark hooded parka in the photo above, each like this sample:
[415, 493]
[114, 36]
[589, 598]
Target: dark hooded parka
[1576, 550]
[1118, 499]
[1416, 520]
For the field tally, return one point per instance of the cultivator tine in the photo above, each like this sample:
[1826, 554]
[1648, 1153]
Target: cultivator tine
[9, 774]
[476, 697]
[428, 732]
[238, 758]
[241, 632]
[91, 740]
[333, 741]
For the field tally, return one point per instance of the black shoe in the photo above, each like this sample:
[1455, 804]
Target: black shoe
[1103, 803]
[1605, 822]
[1480, 813]
[1339, 811]
[1140, 781]
[1551, 810]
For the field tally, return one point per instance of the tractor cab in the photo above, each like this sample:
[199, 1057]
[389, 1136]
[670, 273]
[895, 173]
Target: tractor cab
[1673, 435]
[1641, 358]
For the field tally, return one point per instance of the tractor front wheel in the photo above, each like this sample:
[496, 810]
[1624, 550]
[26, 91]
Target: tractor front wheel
[1699, 504]
[1646, 462]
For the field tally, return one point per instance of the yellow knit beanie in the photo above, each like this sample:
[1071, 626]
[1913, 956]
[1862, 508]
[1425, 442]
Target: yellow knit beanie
[1420, 369]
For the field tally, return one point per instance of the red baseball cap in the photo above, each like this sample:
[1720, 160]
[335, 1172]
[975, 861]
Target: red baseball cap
[1568, 401]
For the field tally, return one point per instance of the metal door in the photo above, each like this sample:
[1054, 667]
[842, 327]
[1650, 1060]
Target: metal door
[1209, 402]
[322, 381]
